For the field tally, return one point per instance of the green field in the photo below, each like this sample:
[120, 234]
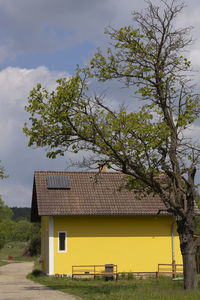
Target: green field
[144, 289]
[14, 249]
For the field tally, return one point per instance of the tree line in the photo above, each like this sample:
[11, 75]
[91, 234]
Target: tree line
[20, 213]
[16, 227]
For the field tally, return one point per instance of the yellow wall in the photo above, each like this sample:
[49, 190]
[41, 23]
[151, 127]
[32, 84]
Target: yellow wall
[135, 244]
[44, 243]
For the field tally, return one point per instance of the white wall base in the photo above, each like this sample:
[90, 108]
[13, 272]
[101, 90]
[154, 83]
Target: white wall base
[51, 246]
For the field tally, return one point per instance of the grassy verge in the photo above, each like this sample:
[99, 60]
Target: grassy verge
[23, 258]
[14, 250]
[2, 263]
[148, 289]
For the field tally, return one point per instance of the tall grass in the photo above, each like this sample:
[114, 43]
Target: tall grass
[145, 289]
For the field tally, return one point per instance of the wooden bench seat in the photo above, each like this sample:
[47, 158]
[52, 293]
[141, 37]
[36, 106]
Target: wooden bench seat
[107, 271]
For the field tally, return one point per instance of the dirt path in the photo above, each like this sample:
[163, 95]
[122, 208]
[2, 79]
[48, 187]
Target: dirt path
[15, 286]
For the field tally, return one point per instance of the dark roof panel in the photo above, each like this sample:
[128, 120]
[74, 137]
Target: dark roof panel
[58, 182]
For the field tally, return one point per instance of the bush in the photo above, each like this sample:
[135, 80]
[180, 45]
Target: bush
[35, 245]
[36, 273]
[33, 248]
[22, 231]
[2, 242]
[6, 229]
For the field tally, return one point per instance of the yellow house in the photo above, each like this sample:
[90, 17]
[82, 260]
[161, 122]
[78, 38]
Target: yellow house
[86, 220]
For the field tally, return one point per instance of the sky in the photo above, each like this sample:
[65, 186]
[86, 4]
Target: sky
[41, 41]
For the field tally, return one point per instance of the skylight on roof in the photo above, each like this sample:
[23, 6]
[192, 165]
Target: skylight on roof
[58, 182]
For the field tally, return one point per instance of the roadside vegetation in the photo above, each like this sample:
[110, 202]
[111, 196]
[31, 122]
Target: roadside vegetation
[123, 289]
[14, 251]
[20, 239]
[2, 263]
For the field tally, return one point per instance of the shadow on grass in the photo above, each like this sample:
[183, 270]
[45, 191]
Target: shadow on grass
[83, 287]
[146, 289]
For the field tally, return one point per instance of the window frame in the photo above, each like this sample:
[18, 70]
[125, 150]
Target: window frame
[62, 251]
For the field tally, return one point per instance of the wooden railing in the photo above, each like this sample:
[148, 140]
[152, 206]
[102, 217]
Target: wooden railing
[173, 269]
[107, 271]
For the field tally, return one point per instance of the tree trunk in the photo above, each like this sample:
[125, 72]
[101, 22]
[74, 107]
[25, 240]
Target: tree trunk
[190, 271]
[185, 228]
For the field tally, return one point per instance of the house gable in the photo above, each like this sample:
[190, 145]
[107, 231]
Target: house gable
[89, 193]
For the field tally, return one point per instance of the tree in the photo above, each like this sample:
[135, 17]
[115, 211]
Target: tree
[2, 172]
[2, 241]
[150, 145]
[5, 211]
[22, 231]
[21, 213]
[35, 240]
[7, 227]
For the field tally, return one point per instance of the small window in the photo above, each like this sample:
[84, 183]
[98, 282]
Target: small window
[62, 247]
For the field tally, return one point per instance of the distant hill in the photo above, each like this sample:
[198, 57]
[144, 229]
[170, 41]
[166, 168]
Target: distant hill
[20, 213]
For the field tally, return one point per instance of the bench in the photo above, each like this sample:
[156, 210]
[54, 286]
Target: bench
[173, 269]
[108, 271]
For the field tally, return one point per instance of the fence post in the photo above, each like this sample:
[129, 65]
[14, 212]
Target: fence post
[173, 269]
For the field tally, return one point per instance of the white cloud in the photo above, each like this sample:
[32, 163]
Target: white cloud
[193, 132]
[194, 55]
[190, 18]
[15, 85]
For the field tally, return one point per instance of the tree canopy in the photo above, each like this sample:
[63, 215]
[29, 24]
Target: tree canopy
[2, 172]
[5, 211]
[150, 144]
[5, 222]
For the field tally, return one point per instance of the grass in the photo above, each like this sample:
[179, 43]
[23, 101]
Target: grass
[15, 250]
[2, 263]
[124, 289]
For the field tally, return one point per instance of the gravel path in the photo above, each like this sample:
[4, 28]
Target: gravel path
[15, 286]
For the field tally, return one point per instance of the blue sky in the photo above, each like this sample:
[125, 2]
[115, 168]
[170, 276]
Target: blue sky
[41, 41]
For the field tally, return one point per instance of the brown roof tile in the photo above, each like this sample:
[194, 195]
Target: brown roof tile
[90, 194]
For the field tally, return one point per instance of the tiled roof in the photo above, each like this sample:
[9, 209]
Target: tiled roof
[90, 194]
